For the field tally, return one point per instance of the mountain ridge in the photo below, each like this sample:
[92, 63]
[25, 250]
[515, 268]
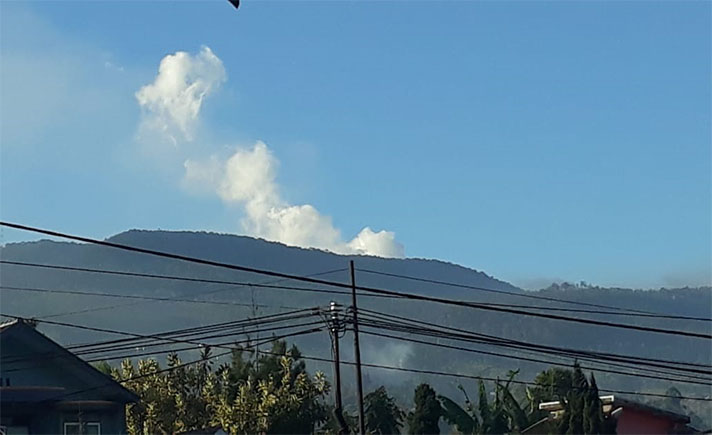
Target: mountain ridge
[149, 239]
[136, 234]
[236, 301]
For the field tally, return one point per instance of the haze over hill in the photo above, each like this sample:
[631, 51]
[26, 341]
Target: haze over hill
[152, 316]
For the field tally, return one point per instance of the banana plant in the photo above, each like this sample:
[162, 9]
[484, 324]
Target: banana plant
[503, 415]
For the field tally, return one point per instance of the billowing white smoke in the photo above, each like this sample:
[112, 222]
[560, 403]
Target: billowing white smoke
[171, 106]
[382, 243]
[248, 177]
[172, 102]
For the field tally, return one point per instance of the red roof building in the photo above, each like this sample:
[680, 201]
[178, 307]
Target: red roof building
[633, 418]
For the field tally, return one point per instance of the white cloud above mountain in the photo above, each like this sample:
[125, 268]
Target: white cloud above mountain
[172, 103]
[247, 177]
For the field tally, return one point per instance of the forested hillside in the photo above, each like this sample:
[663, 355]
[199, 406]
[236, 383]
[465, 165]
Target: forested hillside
[52, 294]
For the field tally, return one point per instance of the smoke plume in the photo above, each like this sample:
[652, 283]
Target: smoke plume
[247, 178]
[171, 104]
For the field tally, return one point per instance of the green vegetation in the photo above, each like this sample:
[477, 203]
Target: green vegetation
[266, 394]
[424, 418]
[272, 392]
[382, 414]
[262, 254]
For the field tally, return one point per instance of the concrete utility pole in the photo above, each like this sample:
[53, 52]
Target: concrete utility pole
[357, 353]
[334, 309]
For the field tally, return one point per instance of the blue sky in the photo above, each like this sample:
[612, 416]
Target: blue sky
[536, 141]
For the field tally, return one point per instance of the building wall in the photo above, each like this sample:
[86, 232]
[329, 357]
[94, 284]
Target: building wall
[46, 370]
[633, 422]
[50, 420]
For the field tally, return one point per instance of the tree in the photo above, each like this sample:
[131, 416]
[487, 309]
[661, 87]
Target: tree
[103, 367]
[579, 397]
[575, 401]
[426, 415]
[551, 384]
[274, 396]
[332, 425]
[519, 418]
[593, 409]
[382, 414]
[464, 420]
[503, 415]
[275, 406]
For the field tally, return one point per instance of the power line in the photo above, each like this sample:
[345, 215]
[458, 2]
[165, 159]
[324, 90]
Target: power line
[212, 337]
[242, 284]
[367, 365]
[170, 255]
[629, 365]
[170, 341]
[221, 345]
[124, 296]
[162, 336]
[83, 311]
[565, 353]
[175, 278]
[140, 297]
[535, 360]
[458, 375]
[239, 284]
[487, 338]
[378, 366]
[464, 376]
[627, 311]
[249, 321]
[133, 378]
[47, 358]
[109, 307]
[367, 289]
[533, 314]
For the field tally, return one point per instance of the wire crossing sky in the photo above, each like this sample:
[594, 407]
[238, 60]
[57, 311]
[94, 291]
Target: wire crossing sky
[371, 290]
[247, 345]
[536, 141]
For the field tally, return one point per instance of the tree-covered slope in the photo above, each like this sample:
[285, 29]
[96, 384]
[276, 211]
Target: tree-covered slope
[151, 316]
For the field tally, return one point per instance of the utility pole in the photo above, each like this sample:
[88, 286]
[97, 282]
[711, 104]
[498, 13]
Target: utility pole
[357, 354]
[338, 407]
[257, 343]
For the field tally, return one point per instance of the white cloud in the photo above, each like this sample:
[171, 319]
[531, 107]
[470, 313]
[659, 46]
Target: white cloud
[382, 243]
[248, 178]
[171, 107]
[171, 104]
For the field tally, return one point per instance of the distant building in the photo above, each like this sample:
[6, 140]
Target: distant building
[45, 389]
[632, 418]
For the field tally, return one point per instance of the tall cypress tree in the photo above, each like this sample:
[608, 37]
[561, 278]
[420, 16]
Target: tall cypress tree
[593, 411]
[575, 401]
[424, 419]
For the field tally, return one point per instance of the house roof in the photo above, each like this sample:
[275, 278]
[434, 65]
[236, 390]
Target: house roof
[627, 403]
[618, 402]
[6, 325]
[24, 330]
